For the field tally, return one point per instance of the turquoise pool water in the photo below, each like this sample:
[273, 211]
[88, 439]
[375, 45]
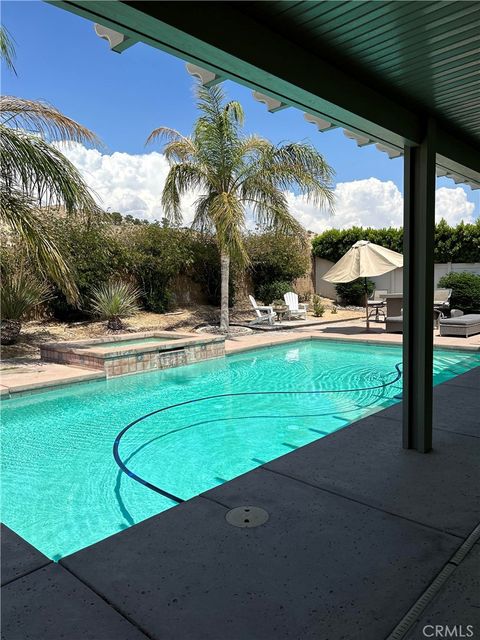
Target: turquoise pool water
[62, 489]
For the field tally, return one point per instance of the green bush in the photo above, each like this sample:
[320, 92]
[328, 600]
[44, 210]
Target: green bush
[318, 306]
[157, 254]
[113, 247]
[452, 244]
[335, 243]
[276, 257]
[95, 254]
[465, 291]
[353, 293]
[273, 291]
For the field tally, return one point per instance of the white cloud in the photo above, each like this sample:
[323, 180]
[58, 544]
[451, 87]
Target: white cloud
[133, 184]
[452, 204]
[365, 203]
[125, 182]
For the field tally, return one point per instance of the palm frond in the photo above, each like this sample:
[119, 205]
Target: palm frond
[7, 49]
[166, 134]
[45, 120]
[17, 212]
[41, 171]
[181, 179]
[202, 220]
[270, 207]
[178, 151]
[228, 217]
[235, 111]
[300, 165]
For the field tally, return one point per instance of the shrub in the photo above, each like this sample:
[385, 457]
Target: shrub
[465, 290]
[21, 293]
[452, 244]
[335, 243]
[318, 306]
[353, 293]
[276, 257]
[273, 290]
[157, 254]
[95, 254]
[114, 301]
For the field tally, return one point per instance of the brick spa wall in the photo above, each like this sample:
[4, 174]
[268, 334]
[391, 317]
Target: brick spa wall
[139, 361]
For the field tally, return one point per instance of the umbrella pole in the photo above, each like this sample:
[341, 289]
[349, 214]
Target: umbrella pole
[366, 306]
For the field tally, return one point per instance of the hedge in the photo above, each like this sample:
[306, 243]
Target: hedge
[151, 255]
[452, 244]
[465, 291]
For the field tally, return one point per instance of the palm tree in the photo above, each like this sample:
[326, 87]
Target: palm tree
[236, 175]
[34, 174]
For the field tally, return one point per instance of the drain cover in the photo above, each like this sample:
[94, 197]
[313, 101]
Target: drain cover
[247, 517]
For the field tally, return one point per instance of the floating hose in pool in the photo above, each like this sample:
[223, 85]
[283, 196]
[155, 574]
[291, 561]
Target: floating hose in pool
[166, 494]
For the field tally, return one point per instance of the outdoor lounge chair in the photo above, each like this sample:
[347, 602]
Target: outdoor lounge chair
[295, 309]
[465, 326]
[264, 313]
[441, 301]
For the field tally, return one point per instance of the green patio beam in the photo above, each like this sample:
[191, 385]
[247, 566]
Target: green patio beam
[418, 276]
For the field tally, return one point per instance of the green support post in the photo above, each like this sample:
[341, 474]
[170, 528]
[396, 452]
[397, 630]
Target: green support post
[418, 274]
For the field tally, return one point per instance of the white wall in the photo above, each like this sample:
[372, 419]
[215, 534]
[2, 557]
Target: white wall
[323, 288]
[393, 281]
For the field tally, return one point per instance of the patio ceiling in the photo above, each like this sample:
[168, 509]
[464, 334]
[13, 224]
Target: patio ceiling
[377, 69]
[425, 54]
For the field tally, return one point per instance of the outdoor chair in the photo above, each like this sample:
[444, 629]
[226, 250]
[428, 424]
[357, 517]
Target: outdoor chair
[377, 303]
[295, 309]
[441, 301]
[264, 313]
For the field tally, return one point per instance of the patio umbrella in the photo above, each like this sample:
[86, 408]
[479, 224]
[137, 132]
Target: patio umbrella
[364, 260]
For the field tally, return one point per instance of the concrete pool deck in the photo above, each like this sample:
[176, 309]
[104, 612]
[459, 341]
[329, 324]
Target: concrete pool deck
[21, 378]
[359, 530]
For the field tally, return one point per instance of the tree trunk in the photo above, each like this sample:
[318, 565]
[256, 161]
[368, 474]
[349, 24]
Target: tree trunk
[115, 324]
[10, 330]
[225, 274]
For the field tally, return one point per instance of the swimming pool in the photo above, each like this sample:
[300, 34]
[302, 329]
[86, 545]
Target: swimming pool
[62, 489]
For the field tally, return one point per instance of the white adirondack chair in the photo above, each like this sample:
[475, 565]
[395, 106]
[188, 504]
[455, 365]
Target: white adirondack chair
[295, 309]
[264, 313]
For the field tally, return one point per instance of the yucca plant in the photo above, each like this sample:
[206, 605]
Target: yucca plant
[21, 293]
[114, 301]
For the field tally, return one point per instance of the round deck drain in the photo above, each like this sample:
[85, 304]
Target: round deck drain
[247, 517]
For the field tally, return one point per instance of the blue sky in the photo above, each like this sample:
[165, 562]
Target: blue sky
[122, 97]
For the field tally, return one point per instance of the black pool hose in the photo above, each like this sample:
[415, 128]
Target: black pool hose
[170, 496]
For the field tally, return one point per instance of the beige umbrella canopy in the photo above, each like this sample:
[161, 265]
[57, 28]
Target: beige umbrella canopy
[364, 260]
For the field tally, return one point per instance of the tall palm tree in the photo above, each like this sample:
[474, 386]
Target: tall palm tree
[237, 175]
[34, 174]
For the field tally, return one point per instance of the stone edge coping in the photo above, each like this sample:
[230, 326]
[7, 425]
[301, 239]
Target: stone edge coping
[94, 347]
[42, 385]
[6, 392]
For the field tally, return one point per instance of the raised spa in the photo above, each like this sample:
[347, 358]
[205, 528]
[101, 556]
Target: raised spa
[145, 352]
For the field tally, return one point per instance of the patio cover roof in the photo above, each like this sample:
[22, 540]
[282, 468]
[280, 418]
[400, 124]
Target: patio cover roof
[376, 68]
